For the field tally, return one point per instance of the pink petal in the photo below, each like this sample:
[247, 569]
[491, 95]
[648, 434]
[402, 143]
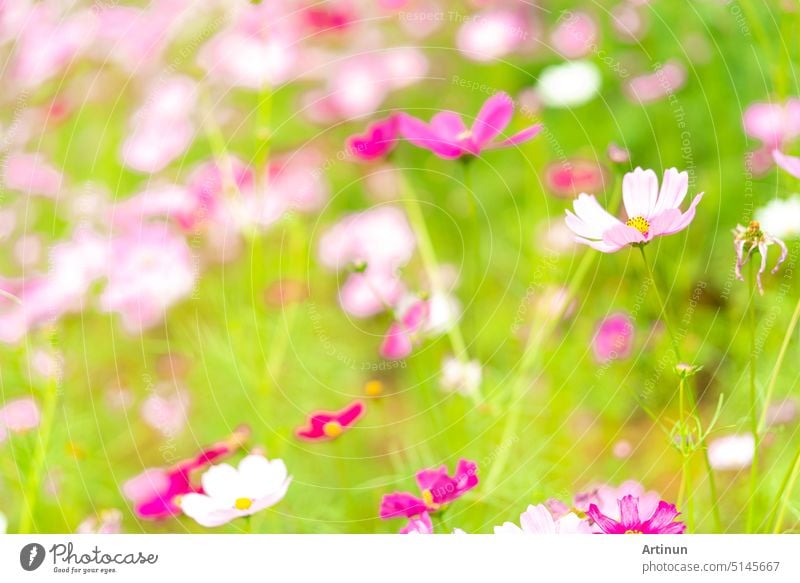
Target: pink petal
[639, 192]
[686, 218]
[629, 512]
[401, 504]
[492, 119]
[622, 235]
[789, 163]
[520, 137]
[421, 134]
[674, 187]
[397, 344]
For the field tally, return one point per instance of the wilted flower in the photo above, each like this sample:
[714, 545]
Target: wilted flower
[230, 493]
[327, 425]
[733, 452]
[539, 520]
[650, 213]
[437, 489]
[662, 521]
[746, 240]
[448, 137]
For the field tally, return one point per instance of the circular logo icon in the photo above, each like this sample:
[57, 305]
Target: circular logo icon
[31, 556]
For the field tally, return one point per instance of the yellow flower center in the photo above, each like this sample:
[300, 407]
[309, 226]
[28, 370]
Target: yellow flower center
[428, 498]
[373, 388]
[243, 503]
[633, 532]
[641, 224]
[465, 135]
[332, 429]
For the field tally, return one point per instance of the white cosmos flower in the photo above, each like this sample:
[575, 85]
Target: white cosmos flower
[781, 218]
[569, 84]
[538, 520]
[231, 493]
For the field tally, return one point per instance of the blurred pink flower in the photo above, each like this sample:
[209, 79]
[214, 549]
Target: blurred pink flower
[575, 35]
[18, 416]
[259, 49]
[634, 521]
[155, 492]
[461, 377]
[448, 137]
[230, 493]
[151, 269]
[377, 140]
[732, 452]
[296, 181]
[49, 42]
[668, 79]
[402, 334]
[32, 175]
[371, 292]
[437, 489]
[539, 520]
[158, 201]
[162, 128]
[166, 410]
[773, 124]
[327, 425]
[614, 338]
[492, 34]
[107, 522]
[568, 178]
[790, 164]
[651, 213]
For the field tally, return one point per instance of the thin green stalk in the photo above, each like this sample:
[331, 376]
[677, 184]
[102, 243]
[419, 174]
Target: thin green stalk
[785, 492]
[533, 349]
[751, 514]
[428, 255]
[787, 338]
[33, 480]
[662, 304]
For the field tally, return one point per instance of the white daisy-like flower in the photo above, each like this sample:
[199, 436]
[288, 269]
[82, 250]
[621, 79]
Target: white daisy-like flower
[230, 493]
[538, 520]
[568, 85]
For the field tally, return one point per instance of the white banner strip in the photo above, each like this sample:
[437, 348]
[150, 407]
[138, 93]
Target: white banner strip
[389, 558]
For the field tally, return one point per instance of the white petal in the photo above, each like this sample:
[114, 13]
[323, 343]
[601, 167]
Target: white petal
[507, 528]
[537, 520]
[260, 476]
[206, 511]
[222, 483]
[640, 192]
[673, 190]
[270, 499]
[594, 216]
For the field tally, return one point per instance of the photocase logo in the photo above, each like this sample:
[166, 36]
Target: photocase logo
[31, 556]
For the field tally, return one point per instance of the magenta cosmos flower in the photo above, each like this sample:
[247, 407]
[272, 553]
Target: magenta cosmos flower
[651, 213]
[448, 137]
[326, 425]
[662, 521]
[437, 489]
[377, 140]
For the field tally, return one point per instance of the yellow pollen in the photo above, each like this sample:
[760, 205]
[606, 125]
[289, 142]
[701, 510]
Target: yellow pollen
[177, 501]
[633, 532]
[243, 503]
[465, 135]
[373, 388]
[332, 429]
[641, 224]
[428, 498]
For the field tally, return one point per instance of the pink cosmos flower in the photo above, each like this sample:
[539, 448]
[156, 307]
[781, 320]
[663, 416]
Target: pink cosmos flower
[437, 489]
[539, 520]
[18, 416]
[107, 522]
[230, 493]
[151, 270]
[32, 175]
[665, 81]
[448, 137]
[614, 338]
[651, 213]
[774, 124]
[327, 425]
[155, 492]
[377, 140]
[418, 525]
[662, 521]
[402, 335]
[166, 410]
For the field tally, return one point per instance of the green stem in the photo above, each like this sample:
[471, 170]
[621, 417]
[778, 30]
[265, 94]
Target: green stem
[787, 338]
[34, 478]
[662, 304]
[786, 491]
[428, 255]
[753, 402]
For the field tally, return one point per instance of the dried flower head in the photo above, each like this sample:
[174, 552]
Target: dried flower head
[746, 239]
